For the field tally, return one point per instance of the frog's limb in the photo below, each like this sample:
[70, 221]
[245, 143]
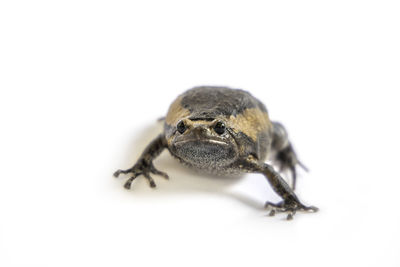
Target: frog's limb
[284, 152]
[144, 165]
[290, 203]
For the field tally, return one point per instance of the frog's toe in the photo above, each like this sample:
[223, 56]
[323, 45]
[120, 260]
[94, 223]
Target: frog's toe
[118, 172]
[150, 179]
[157, 172]
[128, 183]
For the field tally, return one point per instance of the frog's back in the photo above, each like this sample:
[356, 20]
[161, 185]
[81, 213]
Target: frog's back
[209, 102]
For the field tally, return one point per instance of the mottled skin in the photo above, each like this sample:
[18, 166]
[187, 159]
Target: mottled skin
[224, 131]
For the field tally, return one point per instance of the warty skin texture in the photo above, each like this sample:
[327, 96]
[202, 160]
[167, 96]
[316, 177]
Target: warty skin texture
[224, 131]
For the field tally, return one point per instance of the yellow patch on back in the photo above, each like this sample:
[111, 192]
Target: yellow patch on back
[251, 122]
[176, 112]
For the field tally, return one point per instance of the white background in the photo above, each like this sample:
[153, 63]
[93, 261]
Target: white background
[83, 83]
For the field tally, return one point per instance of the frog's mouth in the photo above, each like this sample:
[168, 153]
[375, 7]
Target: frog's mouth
[194, 141]
[205, 153]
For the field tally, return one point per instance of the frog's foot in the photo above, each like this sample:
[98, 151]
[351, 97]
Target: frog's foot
[288, 207]
[141, 168]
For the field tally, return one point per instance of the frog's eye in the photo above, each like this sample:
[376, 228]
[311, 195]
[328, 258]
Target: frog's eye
[219, 128]
[181, 127]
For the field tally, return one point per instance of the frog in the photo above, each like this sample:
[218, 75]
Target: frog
[224, 131]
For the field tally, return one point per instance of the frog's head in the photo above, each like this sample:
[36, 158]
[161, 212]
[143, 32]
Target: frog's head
[203, 142]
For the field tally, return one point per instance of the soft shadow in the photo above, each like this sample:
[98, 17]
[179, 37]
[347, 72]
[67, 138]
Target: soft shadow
[183, 180]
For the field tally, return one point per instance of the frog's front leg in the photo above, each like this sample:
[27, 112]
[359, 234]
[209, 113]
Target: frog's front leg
[144, 165]
[290, 203]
